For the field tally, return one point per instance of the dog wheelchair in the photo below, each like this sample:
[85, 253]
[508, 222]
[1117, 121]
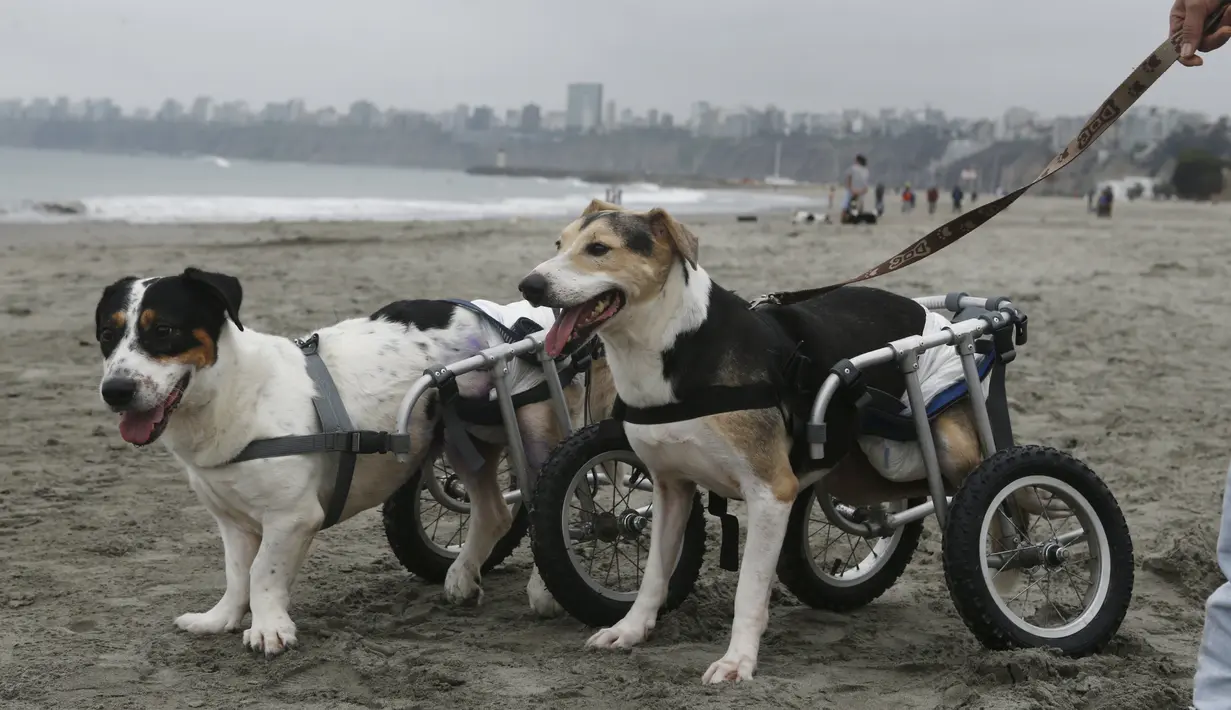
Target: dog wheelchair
[1017, 574]
[426, 520]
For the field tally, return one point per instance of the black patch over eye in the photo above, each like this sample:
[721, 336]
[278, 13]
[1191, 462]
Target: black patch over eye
[106, 336]
[597, 249]
[162, 330]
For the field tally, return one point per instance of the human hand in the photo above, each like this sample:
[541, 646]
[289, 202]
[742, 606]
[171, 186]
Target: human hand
[1188, 17]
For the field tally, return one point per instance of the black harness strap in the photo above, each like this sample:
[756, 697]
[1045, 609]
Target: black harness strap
[457, 411]
[702, 402]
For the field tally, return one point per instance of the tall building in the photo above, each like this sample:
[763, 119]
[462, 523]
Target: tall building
[10, 108]
[531, 118]
[651, 117]
[201, 109]
[363, 113]
[585, 107]
[296, 110]
[609, 118]
[233, 112]
[171, 110]
[481, 120]
[461, 114]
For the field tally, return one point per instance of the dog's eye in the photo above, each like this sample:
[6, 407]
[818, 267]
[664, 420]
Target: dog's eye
[597, 248]
[163, 331]
[106, 335]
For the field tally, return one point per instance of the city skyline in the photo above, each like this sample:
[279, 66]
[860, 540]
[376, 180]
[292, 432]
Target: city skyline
[965, 57]
[1141, 129]
[569, 114]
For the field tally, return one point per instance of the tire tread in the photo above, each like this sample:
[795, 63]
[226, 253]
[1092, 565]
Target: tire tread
[548, 543]
[963, 548]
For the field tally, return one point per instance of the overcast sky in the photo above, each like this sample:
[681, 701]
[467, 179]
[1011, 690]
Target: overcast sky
[967, 57]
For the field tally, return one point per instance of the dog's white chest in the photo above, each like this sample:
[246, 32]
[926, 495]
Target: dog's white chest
[693, 451]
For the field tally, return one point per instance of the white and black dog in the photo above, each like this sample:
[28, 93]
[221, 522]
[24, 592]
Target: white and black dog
[181, 368]
[671, 335]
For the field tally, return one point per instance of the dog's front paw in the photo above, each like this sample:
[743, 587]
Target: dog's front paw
[541, 601]
[463, 585]
[271, 636]
[626, 634]
[733, 666]
[211, 622]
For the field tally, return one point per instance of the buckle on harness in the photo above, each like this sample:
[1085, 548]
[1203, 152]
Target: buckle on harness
[309, 345]
[771, 299]
[369, 442]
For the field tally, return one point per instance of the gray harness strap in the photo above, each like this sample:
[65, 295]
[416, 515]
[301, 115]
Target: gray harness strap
[337, 434]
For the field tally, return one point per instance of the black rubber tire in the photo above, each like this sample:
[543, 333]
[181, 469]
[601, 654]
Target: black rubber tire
[548, 540]
[419, 558]
[796, 573]
[963, 549]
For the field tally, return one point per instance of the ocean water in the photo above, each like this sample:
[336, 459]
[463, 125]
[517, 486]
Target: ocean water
[59, 186]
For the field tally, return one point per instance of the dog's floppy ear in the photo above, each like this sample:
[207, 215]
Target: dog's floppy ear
[226, 288]
[108, 292]
[597, 205]
[683, 241]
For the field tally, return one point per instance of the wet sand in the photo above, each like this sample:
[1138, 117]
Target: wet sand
[101, 546]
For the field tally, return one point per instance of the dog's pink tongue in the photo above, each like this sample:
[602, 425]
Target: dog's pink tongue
[562, 330]
[138, 427]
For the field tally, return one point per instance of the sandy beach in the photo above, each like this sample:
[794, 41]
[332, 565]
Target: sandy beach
[101, 545]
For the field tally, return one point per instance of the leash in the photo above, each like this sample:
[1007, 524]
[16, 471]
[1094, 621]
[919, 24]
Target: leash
[1129, 91]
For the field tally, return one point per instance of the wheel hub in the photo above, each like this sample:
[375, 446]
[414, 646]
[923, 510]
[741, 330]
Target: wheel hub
[632, 524]
[606, 527]
[1054, 555]
[454, 489]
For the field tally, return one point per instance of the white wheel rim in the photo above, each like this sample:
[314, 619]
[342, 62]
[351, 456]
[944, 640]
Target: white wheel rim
[1096, 581]
[858, 557]
[623, 563]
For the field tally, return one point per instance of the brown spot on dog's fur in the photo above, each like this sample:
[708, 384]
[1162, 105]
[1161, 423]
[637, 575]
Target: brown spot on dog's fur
[957, 443]
[147, 318]
[119, 319]
[200, 357]
[761, 437]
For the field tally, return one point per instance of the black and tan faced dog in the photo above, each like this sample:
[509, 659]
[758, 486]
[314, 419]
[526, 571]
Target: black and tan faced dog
[672, 336]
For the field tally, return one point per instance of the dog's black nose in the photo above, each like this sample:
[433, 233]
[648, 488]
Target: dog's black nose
[119, 391]
[534, 288]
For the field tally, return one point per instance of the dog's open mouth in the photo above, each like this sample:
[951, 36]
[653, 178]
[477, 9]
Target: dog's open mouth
[577, 323]
[141, 428]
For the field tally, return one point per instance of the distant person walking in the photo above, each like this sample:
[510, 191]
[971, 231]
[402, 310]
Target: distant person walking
[933, 199]
[957, 198]
[908, 198]
[856, 180]
[1105, 199]
[880, 199]
[1212, 683]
